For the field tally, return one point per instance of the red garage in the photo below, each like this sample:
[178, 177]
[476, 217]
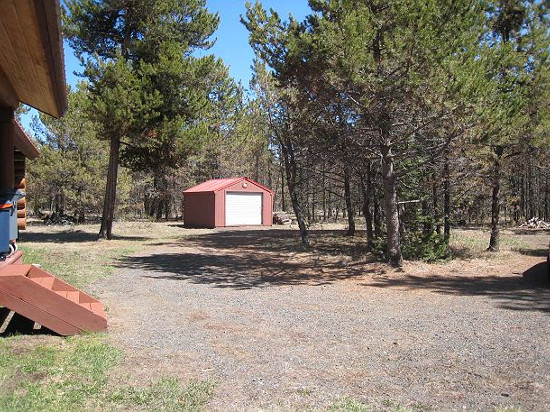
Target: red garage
[238, 201]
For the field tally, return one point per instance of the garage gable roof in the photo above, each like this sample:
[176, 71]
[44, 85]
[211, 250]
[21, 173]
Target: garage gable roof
[215, 185]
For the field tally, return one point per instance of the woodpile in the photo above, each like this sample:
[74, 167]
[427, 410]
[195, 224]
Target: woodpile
[535, 223]
[281, 218]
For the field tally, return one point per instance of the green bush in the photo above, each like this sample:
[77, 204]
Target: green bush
[430, 248]
[416, 246]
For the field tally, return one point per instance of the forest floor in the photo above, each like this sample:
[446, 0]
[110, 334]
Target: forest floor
[275, 327]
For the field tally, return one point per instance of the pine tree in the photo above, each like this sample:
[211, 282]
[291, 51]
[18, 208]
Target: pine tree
[400, 69]
[503, 115]
[146, 87]
[70, 170]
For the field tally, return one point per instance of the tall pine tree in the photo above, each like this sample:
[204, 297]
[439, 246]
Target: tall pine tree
[146, 87]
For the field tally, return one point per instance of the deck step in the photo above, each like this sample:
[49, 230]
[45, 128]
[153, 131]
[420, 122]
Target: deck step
[49, 301]
[72, 295]
[15, 270]
[46, 282]
[96, 307]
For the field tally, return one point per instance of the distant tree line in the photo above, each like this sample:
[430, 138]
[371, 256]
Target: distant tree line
[415, 116]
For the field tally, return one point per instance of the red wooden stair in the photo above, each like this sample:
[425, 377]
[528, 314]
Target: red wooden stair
[47, 300]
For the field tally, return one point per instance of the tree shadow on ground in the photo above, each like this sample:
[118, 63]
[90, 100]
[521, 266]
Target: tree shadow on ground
[242, 272]
[244, 259]
[324, 242]
[69, 236]
[529, 292]
[529, 232]
[532, 252]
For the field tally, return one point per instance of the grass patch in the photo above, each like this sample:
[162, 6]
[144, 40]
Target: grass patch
[348, 405]
[72, 374]
[469, 244]
[74, 255]
[165, 395]
[79, 267]
[68, 375]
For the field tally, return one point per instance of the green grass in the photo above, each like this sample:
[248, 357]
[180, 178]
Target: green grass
[68, 375]
[48, 373]
[164, 395]
[73, 254]
[78, 267]
[351, 405]
[73, 375]
[348, 405]
[473, 244]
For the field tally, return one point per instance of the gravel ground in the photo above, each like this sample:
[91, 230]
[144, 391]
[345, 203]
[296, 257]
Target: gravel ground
[279, 329]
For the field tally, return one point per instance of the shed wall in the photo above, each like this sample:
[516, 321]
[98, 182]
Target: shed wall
[267, 210]
[220, 208]
[199, 210]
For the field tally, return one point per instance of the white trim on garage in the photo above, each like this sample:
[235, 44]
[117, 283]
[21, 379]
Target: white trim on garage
[243, 208]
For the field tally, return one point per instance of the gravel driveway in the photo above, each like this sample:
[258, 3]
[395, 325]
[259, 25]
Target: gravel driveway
[279, 329]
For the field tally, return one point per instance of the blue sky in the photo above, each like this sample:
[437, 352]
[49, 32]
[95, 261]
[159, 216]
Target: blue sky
[231, 44]
[232, 37]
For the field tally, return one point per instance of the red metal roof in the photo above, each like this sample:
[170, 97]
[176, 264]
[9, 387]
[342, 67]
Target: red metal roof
[216, 185]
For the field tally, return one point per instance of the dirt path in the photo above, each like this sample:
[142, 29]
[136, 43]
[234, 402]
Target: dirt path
[279, 329]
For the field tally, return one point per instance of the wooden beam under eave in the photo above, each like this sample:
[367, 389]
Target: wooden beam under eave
[24, 144]
[7, 140]
[8, 96]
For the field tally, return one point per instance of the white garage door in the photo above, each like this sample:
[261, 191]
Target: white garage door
[243, 209]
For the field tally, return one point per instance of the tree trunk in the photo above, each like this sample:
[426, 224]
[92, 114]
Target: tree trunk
[107, 218]
[309, 193]
[376, 213]
[283, 168]
[61, 204]
[530, 196]
[349, 202]
[494, 242]
[546, 197]
[446, 199]
[402, 228]
[366, 187]
[524, 205]
[313, 200]
[324, 197]
[436, 204]
[393, 249]
[291, 169]
[427, 227]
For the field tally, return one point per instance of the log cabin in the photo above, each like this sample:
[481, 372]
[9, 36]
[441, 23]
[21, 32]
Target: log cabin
[32, 72]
